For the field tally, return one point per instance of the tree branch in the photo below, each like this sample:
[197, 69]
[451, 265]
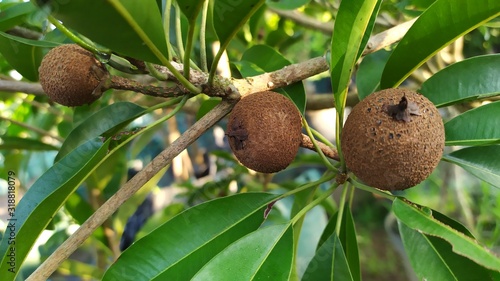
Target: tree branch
[267, 81]
[264, 82]
[306, 21]
[20, 86]
[128, 189]
[328, 151]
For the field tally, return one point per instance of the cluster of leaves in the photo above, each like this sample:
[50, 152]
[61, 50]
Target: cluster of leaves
[233, 236]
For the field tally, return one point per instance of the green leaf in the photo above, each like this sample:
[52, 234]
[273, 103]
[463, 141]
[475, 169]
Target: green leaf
[286, 4]
[40, 203]
[440, 262]
[178, 249]
[369, 29]
[329, 263]
[369, 73]
[455, 83]
[190, 8]
[442, 23]
[351, 25]
[230, 16]
[265, 254]
[206, 106]
[418, 246]
[24, 55]
[459, 265]
[9, 143]
[114, 116]
[481, 161]
[478, 126]
[461, 243]
[14, 14]
[128, 27]
[347, 238]
[268, 59]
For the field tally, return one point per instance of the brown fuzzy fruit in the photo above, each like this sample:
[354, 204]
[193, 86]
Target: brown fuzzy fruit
[71, 75]
[393, 139]
[264, 131]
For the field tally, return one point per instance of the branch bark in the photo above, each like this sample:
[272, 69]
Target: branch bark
[229, 88]
[128, 189]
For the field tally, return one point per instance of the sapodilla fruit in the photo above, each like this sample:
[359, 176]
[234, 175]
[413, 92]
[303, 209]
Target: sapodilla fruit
[264, 131]
[393, 139]
[71, 75]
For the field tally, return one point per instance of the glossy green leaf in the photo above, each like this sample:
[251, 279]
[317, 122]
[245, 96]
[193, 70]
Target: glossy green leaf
[461, 243]
[461, 266]
[478, 126]
[286, 4]
[14, 14]
[369, 29]
[9, 143]
[442, 23]
[190, 8]
[369, 73]
[179, 248]
[452, 223]
[329, 263]
[481, 161]
[351, 25]
[114, 116]
[455, 83]
[128, 27]
[440, 262]
[206, 106]
[24, 55]
[348, 239]
[40, 203]
[230, 16]
[417, 246]
[265, 254]
[268, 59]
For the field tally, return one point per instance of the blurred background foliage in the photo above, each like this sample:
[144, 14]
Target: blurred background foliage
[32, 129]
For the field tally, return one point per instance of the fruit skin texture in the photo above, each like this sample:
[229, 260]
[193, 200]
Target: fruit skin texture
[392, 154]
[71, 75]
[264, 131]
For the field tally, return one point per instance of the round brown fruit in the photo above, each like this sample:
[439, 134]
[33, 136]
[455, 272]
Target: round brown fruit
[71, 75]
[393, 139]
[264, 131]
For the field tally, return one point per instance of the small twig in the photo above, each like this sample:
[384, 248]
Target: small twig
[121, 83]
[20, 86]
[328, 151]
[388, 37]
[128, 190]
[306, 21]
[282, 77]
[32, 128]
